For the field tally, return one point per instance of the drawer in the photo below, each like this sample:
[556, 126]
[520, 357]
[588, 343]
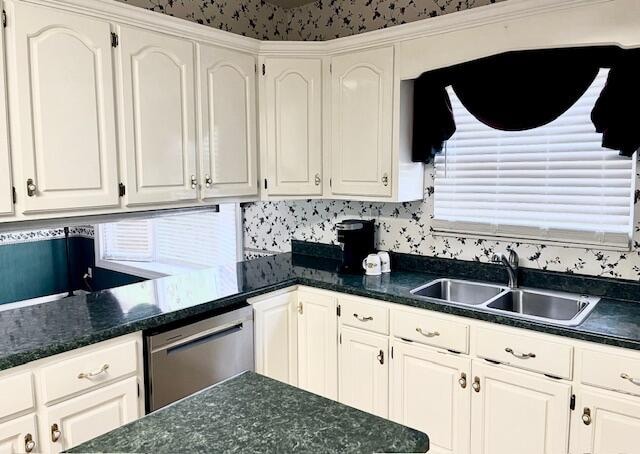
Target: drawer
[611, 371]
[17, 394]
[525, 352]
[89, 370]
[431, 330]
[360, 313]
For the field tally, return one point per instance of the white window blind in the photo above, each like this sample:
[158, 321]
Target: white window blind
[194, 240]
[555, 182]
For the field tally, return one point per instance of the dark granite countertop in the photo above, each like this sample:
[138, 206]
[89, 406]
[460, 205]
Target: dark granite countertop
[252, 413]
[34, 332]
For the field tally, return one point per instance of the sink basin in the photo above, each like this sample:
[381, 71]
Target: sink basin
[461, 292]
[560, 308]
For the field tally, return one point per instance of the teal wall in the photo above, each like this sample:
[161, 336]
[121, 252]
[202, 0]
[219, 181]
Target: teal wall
[39, 268]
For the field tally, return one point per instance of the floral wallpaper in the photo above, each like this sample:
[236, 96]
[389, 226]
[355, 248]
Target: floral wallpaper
[27, 236]
[406, 227]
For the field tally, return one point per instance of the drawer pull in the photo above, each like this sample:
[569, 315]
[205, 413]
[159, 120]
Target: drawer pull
[55, 433]
[363, 319]
[586, 416]
[102, 370]
[29, 444]
[635, 381]
[428, 333]
[463, 380]
[520, 355]
[476, 384]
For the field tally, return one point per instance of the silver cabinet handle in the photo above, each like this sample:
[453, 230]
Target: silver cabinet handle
[31, 187]
[29, 444]
[385, 179]
[194, 182]
[428, 333]
[381, 357]
[362, 319]
[317, 179]
[208, 181]
[102, 370]
[635, 381]
[586, 416]
[463, 380]
[476, 384]
[55, 433]
[520, 355]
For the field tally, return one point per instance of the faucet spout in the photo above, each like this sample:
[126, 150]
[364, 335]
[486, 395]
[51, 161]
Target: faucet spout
[511, 263]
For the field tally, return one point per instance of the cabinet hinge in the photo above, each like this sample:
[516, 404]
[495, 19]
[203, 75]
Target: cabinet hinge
[114, 40]
[4, 19]
[14, 195]
[572, 402]
[338, 311]
[264, 69]
[300, 309]
[265, 183]
[122, 190]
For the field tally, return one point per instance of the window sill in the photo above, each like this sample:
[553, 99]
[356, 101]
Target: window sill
[147, 270]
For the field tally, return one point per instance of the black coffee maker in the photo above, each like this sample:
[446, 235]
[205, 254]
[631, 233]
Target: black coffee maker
[356, 238]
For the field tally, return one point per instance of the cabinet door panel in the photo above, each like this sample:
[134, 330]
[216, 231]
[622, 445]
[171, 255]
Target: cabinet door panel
[318, 344]
[426, 395]
[518, 412]
[361, 151]
[276, 339]
[93, 414]
[364, 371]
[16, 433]
[159, 117]
[294, 126]
[66, 123]
[615, 423]
[228, 123]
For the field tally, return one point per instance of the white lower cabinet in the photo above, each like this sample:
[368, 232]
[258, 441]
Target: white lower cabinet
[318, 343]
[430, 391]
[607, 423]
[276, 337]
[518, 412]
[19, 435]
[364, 371]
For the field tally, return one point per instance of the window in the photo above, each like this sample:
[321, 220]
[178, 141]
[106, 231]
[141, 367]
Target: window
[555, 182]
[171, 244]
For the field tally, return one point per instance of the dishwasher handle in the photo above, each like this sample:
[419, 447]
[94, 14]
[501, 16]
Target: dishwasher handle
[203, 338]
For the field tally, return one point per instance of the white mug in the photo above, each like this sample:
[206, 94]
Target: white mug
[385, 261]
[372, 265]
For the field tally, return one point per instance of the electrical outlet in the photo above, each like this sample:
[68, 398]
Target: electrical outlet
[89, 272]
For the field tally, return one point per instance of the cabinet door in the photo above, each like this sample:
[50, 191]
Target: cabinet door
[90, 415]
[65, 125]
[614, 426]
[518, 412]
[276, 338]
[159, 117]
[19, 435]
[318, 344]
[293, 117]
[364, 371]
[362, 120]
[430, 391]
[228, 106]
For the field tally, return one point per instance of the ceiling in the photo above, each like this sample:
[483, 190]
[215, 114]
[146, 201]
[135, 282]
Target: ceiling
[290, 3]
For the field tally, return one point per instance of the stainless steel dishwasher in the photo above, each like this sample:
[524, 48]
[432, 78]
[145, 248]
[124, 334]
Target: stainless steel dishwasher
[191, 357]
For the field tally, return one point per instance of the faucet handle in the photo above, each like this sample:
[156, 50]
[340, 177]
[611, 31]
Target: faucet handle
[496, 258]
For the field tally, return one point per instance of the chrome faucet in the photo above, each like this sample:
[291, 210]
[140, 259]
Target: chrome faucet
[511, 262]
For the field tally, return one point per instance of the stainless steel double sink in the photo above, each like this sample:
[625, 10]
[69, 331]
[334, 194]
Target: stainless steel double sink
[560, 308]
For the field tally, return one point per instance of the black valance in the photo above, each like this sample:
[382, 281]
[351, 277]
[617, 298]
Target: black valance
[522, 90]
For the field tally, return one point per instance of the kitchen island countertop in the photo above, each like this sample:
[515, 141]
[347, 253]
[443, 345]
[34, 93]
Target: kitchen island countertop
[252, 413]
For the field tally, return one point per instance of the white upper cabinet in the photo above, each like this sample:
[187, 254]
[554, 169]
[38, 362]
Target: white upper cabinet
[518, 412]
[64, 126]
[159, 117]
[292, 133]
[6, 191]
[362, 114]
[228, 106]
